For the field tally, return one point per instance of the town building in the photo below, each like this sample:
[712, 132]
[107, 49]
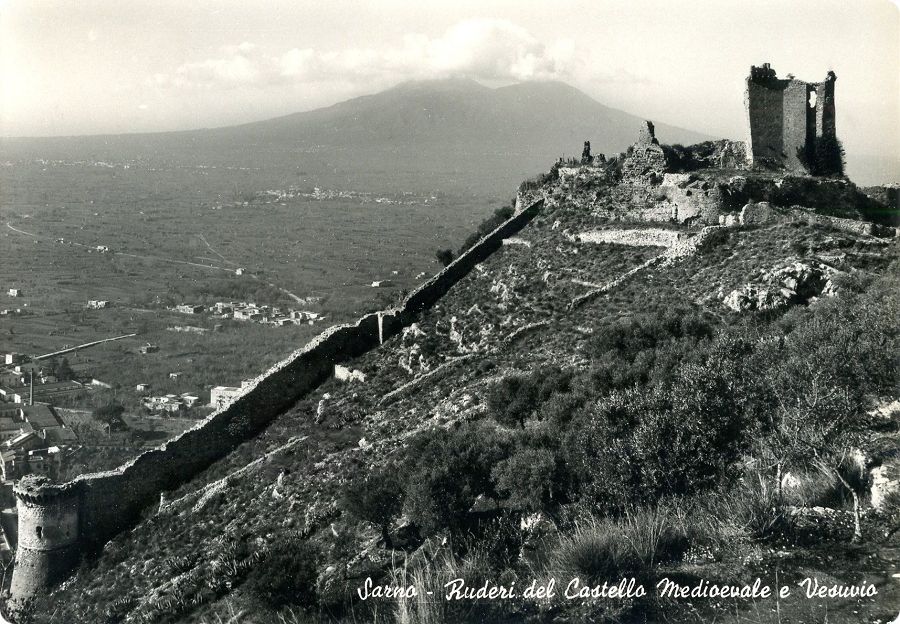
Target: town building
[222, 395]
[186, 308]
[169, 403]
[189, 400]
[14, 358]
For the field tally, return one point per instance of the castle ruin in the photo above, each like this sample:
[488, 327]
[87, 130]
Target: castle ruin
[48, 536]
[787, 118]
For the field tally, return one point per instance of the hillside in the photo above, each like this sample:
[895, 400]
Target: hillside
[603, 397]
[433, 116]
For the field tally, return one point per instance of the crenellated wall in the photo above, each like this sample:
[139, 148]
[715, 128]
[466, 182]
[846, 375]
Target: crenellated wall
[85, 513]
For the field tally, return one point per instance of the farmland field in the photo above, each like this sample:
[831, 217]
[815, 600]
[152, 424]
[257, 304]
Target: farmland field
[147, 233]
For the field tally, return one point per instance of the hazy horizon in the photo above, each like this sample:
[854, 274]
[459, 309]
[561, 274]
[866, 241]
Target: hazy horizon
[97, 68]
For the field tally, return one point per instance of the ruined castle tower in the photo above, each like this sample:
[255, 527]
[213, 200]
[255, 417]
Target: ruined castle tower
[646, 161]
[787, 117]
[47, 547]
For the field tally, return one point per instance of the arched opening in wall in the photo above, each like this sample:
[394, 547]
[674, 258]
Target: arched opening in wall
[812, 99]
[40, 532]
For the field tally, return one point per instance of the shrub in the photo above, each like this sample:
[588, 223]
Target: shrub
[755, 507]
[110, 414]
[512, 400]
[448, 471]
[376, 497]
[515, 398]
[826, 158]
[531, 480]
[594, 551]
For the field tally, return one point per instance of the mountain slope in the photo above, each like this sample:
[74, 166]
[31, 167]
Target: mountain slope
[539, 117]
[442, 135]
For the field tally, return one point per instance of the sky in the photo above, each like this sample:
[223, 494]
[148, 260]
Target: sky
[72, 67]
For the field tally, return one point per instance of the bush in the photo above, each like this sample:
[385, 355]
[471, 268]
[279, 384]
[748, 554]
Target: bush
[376, 497]
[533, 479]
[448, 471]
[474, 568]
[110, 414]
[827, 158]
[515, 398]
[511, 400]
[755, 507]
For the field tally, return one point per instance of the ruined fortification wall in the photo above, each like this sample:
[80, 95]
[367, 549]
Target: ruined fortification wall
[765, 120]
[763, 213]
[782, 118]
[109, 502]
[48, 535]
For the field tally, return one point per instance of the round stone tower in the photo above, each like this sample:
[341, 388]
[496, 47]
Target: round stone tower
[47, 548]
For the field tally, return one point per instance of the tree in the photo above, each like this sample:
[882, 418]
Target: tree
[444, 256]
[376, 497]
[512, 400]
[110, 414]
[64, 372]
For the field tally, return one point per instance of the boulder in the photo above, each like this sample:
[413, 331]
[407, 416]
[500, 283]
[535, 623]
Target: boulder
[757, 214]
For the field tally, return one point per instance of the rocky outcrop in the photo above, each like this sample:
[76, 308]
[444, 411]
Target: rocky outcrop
[796, 283]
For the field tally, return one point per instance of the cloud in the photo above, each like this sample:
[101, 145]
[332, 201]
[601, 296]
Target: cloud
[485, 49]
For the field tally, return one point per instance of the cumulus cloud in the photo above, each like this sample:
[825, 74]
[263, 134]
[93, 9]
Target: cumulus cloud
[491, 50]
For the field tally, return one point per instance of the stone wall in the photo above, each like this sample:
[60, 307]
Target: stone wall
[763, 213]
[110, 502]
[648, 237]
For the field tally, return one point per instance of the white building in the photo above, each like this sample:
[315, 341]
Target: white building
[222, 395]
[189, 400]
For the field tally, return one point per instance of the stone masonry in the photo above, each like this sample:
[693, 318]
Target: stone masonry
[786, 117]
